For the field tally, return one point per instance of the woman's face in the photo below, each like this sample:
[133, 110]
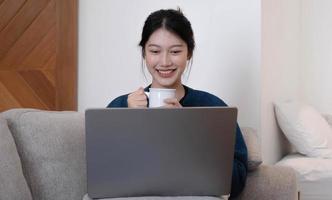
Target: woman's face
[166, 56]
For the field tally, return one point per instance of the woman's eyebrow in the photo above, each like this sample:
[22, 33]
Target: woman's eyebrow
[175, 45]
[153, 45]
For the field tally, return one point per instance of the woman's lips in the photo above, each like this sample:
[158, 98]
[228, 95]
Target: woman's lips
[166, 73]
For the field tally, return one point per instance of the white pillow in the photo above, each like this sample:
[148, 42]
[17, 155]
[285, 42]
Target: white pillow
[305, 128]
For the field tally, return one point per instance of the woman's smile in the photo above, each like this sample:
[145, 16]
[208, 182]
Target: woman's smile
[166, 73]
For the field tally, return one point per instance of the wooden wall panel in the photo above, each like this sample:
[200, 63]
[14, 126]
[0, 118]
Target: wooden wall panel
[41, 86]
[44, 50]
[19, 24]
[20, 90]
[30, 38]
[8, 10]
[67, 30]
[38, 54]
[6, 99]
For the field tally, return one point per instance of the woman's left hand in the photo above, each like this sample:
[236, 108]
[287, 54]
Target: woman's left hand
[172, 103]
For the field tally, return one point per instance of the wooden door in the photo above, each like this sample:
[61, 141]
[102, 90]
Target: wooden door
[38, 54]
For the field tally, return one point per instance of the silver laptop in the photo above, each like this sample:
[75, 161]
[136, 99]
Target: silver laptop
[160, 152]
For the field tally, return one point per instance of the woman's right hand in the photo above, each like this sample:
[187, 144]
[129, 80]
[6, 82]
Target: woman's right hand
[137, 99]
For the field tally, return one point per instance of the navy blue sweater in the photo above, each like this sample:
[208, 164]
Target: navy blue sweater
[196, 98]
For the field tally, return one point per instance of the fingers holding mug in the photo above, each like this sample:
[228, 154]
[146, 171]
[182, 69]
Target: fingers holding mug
[137, 99]
[172, 103]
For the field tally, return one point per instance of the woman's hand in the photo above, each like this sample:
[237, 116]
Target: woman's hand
[172, 103]
[137, 99]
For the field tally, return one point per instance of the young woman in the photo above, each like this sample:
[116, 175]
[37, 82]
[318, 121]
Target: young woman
[167, 49]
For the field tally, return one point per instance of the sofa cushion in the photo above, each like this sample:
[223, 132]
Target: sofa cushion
[270, 182]
[12, 182]
[52, 150]
[305, 128]
[253, 145]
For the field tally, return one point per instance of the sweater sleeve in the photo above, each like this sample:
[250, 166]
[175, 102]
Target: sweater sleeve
[119, 102]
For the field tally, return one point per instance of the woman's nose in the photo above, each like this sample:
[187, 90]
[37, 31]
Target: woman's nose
[166, 60]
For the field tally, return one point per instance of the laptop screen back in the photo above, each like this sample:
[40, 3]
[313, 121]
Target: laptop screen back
[160, 152]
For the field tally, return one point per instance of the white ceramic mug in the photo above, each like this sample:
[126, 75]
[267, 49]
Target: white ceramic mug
[158, 95]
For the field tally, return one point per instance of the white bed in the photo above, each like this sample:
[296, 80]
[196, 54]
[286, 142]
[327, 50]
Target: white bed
[314, 176]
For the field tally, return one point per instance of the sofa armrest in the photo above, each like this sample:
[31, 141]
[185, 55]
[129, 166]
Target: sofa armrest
[270, 182]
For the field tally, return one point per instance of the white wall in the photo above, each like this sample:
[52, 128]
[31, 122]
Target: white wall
[226, 61]
[296, 63]
[316, 65]
[280, 79]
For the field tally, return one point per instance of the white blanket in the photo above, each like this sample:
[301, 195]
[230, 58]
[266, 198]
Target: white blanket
[314, 176]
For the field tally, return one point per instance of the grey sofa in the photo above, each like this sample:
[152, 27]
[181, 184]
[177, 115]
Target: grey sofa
[42, 156]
